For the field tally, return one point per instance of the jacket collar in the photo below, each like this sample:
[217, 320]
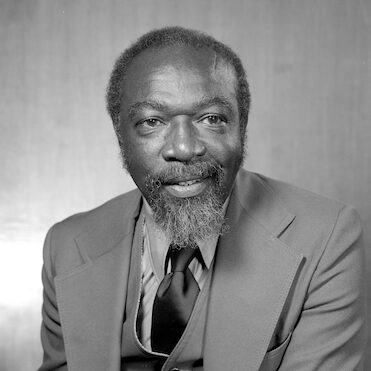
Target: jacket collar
[107, 229]
[251, 195]
[261, 203]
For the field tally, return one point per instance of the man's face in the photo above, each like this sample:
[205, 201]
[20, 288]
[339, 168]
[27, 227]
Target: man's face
[180, 126]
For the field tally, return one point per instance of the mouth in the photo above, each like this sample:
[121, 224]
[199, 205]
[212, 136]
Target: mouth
[184, 180]
[187, 187]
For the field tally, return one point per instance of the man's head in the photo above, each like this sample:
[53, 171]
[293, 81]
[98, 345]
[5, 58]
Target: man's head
[172, 37]
[179, 102]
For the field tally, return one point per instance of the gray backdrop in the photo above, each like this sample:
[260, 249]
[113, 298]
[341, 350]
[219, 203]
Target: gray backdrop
[309, 64]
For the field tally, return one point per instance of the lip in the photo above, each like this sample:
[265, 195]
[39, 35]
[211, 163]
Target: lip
[189, 187]
[184, 179]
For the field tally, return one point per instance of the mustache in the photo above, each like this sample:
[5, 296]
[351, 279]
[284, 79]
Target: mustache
[191, 170]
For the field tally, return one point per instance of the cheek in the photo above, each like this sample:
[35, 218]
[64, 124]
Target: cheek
[141, 159]
[227, 152]
[231, 161]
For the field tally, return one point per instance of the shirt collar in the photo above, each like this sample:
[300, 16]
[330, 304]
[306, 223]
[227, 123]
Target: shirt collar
[159, 243]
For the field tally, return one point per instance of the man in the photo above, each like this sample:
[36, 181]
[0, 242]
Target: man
[205, 266]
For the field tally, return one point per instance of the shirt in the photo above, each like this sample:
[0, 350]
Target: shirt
[154, 251]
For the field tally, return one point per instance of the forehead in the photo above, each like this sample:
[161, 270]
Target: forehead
[179, 70]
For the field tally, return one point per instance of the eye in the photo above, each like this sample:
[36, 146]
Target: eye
[213, 120]
[151, 122]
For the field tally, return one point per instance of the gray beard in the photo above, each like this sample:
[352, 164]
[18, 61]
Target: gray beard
[188, 220]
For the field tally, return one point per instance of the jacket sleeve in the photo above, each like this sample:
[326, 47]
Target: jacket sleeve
[330, 333]
[54, 357]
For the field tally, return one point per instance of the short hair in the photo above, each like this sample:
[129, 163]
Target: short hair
[175, 36]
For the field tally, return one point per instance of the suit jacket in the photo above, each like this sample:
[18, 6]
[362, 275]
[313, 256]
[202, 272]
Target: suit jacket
[287, 289]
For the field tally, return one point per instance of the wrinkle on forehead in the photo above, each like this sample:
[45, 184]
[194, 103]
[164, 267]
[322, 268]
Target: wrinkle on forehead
[220, 68]
[187, 56]
[159, 69]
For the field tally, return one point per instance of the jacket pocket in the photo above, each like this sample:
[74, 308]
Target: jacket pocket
[273, 358]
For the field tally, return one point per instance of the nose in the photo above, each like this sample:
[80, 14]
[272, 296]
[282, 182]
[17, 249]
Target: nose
[183, 142]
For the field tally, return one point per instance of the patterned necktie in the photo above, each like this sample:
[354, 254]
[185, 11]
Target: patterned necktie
[174, 301]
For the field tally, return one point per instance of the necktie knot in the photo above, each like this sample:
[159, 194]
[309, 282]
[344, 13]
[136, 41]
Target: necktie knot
[180, 258]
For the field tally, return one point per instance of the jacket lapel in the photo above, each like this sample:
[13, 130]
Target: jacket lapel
[252, 277]
[91, 298]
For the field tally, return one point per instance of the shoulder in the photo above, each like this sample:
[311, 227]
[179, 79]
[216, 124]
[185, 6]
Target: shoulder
[111, 212]
[70, 241]
[302, 203]
[315, 219]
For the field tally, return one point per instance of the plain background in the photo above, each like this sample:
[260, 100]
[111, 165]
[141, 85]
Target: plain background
[309, 66]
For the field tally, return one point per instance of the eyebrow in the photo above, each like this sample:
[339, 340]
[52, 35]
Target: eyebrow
[201, 104]
[150, 104]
